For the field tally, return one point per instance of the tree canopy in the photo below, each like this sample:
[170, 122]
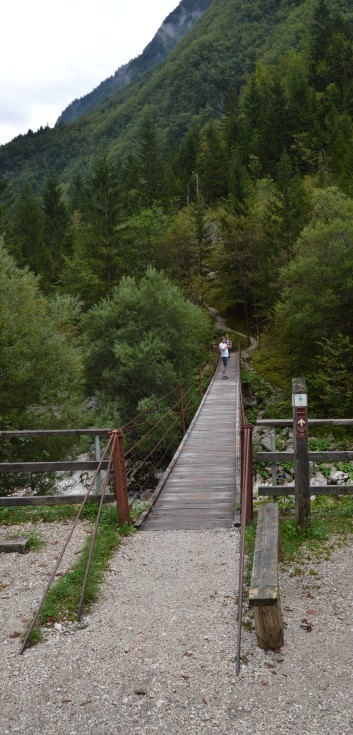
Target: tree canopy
[142, 341]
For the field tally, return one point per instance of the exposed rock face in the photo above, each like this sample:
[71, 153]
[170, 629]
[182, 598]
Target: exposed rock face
[172, 30]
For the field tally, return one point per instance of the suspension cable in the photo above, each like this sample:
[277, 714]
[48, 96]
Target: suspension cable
[154, 448]
[40, 604]
[94, 534]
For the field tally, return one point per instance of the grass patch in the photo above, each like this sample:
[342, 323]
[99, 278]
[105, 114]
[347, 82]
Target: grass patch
[63, 598]
[16, 516]
[35, 542]
[62, 601]
[331, 527]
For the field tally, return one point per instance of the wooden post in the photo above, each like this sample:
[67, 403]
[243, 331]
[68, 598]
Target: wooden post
[120, 481]
[201, 389]
[301, 452]
[249, 488]
[246, 470]
[274, 465]
[269, 626]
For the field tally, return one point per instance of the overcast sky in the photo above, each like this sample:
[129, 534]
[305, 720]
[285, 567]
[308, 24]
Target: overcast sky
[54, 51]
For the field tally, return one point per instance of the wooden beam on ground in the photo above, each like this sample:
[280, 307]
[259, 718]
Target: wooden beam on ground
[264, 589]
[14, 546]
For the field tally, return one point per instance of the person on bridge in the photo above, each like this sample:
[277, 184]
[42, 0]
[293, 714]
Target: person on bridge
[223, 348]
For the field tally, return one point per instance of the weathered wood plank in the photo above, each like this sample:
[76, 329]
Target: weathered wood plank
[50, 466]
[185, 524]
[264, 576]
[329, 456]
[264, 591]
[53, 432]
[269, 626]
[14, 546]
[49, 500]
[278, 490]
[199, 488]
[313, 422]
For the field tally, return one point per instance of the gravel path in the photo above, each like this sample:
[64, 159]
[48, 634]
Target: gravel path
[156, 654]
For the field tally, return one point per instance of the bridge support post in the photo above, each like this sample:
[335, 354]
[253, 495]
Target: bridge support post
[301, 452]
[246, 471]
[120, 480]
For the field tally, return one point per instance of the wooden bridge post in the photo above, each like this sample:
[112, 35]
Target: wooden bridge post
[246, 471]
[120, 481]
[301, 452]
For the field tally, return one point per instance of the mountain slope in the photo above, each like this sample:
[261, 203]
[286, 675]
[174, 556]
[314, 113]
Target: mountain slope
[189, 88]
[172, 30]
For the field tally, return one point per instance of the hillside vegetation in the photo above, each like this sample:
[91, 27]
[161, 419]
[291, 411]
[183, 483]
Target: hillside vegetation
[224, 178]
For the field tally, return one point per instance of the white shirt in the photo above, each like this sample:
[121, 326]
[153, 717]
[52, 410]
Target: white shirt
[223, 347]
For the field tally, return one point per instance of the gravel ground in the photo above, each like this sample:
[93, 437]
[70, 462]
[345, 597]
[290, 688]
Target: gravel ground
[156, 654]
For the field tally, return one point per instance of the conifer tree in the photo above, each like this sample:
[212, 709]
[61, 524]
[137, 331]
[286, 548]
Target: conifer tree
[55, 224]
[149, 165]
[25, 238]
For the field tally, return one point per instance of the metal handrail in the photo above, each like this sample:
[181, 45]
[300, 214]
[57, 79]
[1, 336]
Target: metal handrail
[246, 503]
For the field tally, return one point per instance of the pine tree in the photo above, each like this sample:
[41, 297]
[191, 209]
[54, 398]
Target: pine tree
[55, 224]
[26, 233]
[149, 165]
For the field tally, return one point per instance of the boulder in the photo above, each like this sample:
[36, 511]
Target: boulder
[317, 480]
[338, 478]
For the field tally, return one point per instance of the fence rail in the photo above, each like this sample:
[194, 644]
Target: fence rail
[50, 500]
[24, 433]
[50, 466]
[133, 433]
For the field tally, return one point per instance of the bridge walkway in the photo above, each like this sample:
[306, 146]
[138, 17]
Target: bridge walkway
[201, 487]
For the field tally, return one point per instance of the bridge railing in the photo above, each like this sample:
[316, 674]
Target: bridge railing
[246, 500]
[148, 437]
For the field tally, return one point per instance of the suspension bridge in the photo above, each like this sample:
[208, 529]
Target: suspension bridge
[201, 487]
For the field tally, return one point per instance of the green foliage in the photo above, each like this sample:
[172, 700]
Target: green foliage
[254, 384]
[229, 167]
[143, 341]
[25, 238]
[331, 522]
[319, 444]
[55, 226]
[316, 297]
[331, 386]
[40, 363]
[35, 542]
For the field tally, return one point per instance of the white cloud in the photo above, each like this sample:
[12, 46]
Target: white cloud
[53, 52]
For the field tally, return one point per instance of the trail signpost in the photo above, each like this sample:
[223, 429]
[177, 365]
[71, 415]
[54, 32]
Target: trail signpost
[301, 452]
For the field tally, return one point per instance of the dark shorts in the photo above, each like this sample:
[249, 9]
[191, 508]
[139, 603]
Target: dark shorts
[225, 361]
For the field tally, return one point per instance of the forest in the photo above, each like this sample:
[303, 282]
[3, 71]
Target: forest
[109, 262]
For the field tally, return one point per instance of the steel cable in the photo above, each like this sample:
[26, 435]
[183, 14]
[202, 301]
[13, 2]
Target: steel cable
[40, 605]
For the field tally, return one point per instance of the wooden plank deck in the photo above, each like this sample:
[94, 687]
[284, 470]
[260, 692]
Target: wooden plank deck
[202, 484]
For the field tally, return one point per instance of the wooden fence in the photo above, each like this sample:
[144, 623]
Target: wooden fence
[59, 466]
